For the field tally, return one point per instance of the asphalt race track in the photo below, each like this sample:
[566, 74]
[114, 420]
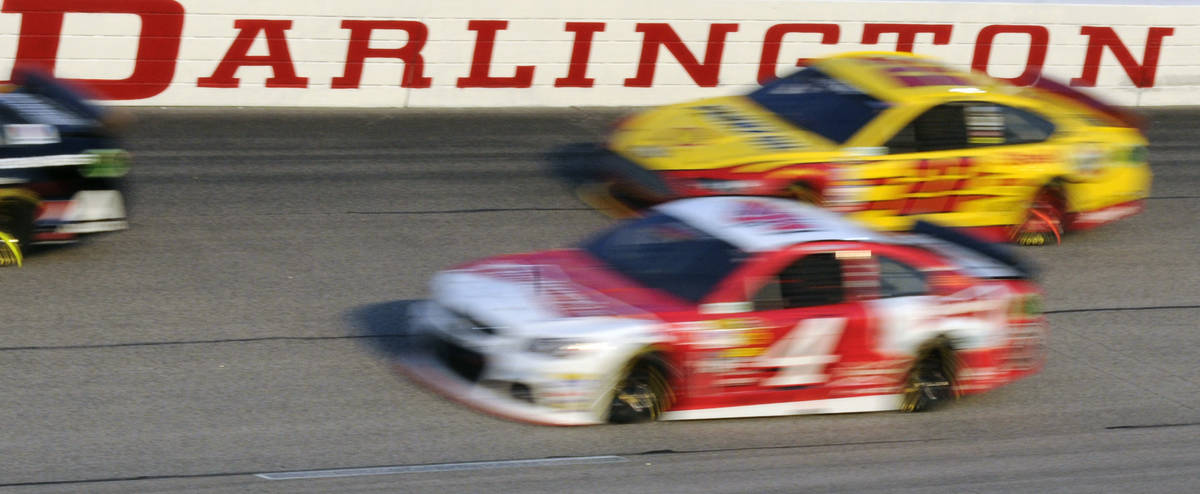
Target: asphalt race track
[243, 327]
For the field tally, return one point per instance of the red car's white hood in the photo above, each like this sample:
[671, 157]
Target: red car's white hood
[525, 290]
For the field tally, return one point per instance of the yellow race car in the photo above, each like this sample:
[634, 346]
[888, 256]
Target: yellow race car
[886, 138]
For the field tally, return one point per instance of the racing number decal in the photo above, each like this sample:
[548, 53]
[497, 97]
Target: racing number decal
[936, 186]
[804, 352]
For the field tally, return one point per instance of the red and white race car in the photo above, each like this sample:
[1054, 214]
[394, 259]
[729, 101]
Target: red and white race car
[728, 307]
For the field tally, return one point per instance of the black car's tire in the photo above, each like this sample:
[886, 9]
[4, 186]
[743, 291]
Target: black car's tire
[642, 395]
[930, 382]
[16, 219]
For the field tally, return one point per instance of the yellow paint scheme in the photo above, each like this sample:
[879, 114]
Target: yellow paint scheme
[1095, 160]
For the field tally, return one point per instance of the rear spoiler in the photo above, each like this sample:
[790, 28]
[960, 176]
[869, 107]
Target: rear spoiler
[72, 99]
[996, 252]
[1126, 117]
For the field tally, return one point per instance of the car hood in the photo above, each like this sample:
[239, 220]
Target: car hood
[712, 133]
[531, 290]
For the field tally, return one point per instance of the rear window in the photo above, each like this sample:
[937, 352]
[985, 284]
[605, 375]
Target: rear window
[664, 253]
[814, 101]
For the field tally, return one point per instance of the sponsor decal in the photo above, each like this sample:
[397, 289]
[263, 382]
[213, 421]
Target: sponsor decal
[29, 134]
[551, 285]
[933, 186]
[762, 133]
[758, 214]
[1108, 214]
[985, 125]
[569, 391]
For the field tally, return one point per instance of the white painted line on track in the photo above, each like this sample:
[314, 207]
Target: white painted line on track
[438, 467]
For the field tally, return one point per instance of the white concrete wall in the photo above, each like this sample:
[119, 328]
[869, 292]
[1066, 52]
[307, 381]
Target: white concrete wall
[98, 43]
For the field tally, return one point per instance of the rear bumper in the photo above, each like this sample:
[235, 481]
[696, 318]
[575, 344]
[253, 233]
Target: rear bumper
[608, 181]
[88, 211]
[587, 162]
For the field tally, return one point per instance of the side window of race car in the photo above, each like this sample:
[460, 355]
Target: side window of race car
[939, 128]
[815, 279]
[1024, 127]
[897, 279]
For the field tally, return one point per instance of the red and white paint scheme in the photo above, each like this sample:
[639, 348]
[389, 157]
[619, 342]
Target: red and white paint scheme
[454, 53]
[755, 306]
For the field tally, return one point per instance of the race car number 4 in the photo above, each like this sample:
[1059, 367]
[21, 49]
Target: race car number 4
[802, 355]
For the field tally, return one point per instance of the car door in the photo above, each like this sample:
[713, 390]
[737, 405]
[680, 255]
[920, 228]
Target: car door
[802, 322]
[954, 163]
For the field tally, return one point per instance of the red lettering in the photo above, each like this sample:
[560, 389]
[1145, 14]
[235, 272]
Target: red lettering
[581, 50]
[481, 61]
[1039, 39]
[1104, 37]
[660, 34]
[158, 42]
[906, 34]
[360, 49]
[774, 39]
[278, 57]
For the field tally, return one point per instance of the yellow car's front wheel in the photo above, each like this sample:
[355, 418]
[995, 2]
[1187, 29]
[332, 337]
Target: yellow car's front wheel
[804, 193]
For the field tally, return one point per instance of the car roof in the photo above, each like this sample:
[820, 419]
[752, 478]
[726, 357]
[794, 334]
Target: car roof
[757, 224]
[899, 76]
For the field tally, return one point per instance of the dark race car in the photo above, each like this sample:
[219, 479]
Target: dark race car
[60, 166]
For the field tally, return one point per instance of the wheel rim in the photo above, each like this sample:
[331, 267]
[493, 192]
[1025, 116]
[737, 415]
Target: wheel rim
[930, 384]
[1044, 220]
[640, 397]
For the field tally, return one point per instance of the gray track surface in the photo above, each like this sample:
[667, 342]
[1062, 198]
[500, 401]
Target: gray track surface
[240, 327]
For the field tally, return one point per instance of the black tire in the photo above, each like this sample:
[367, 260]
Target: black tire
[642, 395]
[16, 219]
[930, 382]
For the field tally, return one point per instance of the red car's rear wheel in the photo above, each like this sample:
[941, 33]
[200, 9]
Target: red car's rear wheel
[930, 382]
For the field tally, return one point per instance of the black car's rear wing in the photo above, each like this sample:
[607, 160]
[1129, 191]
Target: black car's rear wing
[52, 102]
[1002, 254]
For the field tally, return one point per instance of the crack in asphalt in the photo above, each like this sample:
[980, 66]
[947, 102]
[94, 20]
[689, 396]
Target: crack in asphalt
[788, 446]
[478, 210]
[404, 335]
[417, 467]
[201, 342]
[1151, 426]
[1112, 309]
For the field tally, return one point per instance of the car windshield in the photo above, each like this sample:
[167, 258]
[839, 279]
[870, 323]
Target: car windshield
[814, 101]
[664, 253]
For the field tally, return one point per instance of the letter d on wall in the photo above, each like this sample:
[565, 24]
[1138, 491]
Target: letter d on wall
[158, 41]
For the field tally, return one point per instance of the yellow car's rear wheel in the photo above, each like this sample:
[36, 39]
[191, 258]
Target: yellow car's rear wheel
[1043, 223]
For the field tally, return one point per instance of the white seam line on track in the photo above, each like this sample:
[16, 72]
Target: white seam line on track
[438, 467]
